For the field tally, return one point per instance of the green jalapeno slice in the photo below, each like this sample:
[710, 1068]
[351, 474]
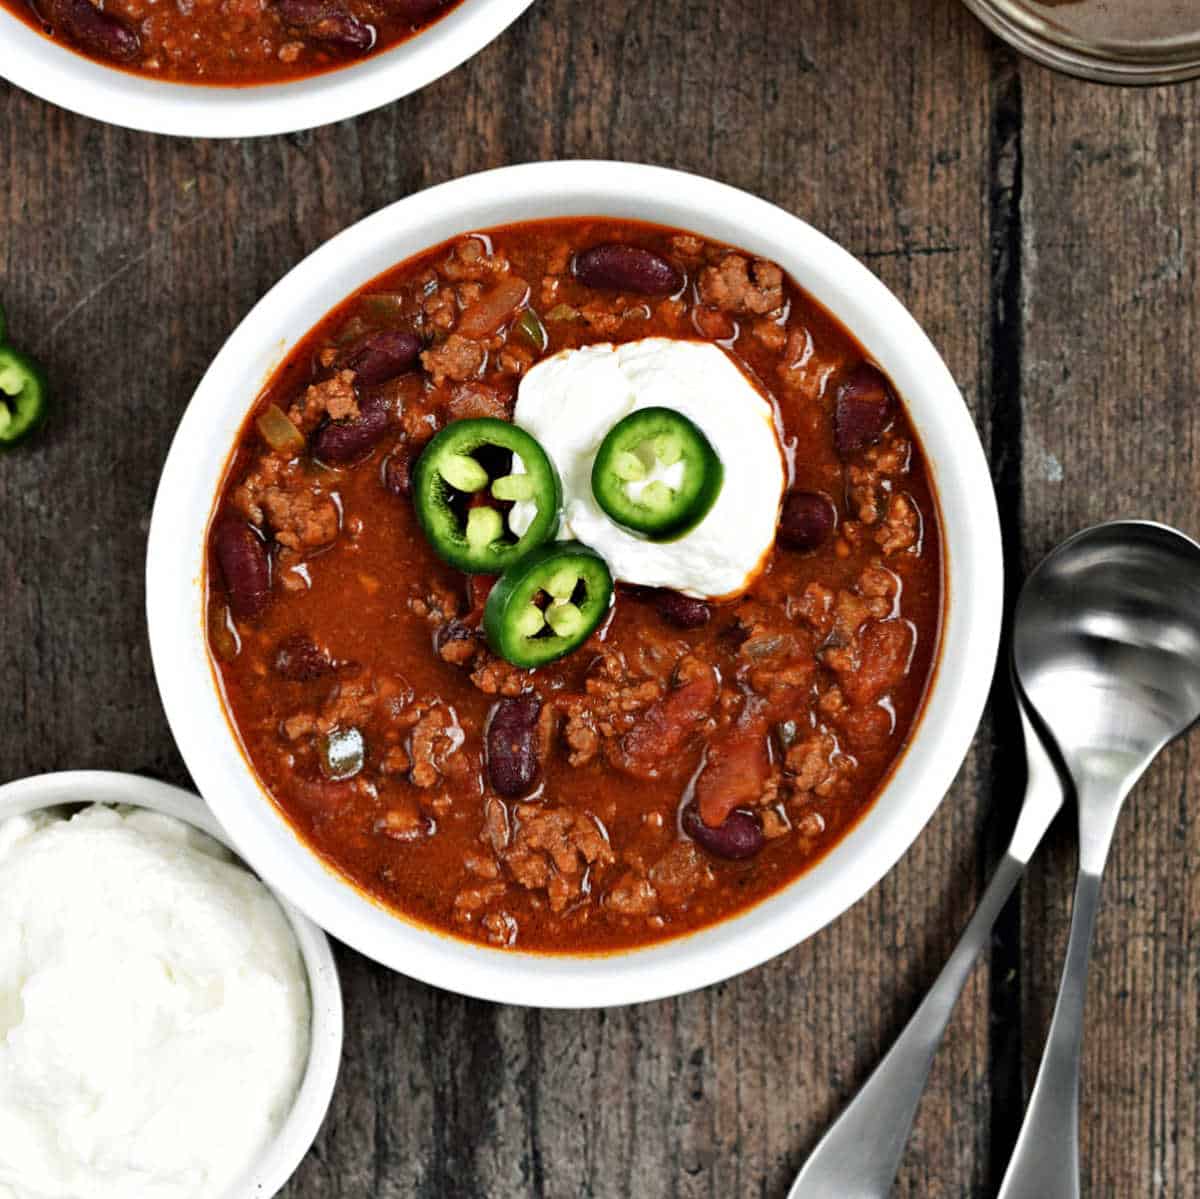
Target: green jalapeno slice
[469, 463]
[547, 604]
[656, 474]
[23, 394]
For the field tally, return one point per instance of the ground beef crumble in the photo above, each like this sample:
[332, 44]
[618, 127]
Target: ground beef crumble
[554, 849]
[738, 285]
[335, 398]
[458, 358]
[300, 520]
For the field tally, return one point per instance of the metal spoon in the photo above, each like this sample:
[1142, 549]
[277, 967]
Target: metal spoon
[858, 1157]
[1107, 649]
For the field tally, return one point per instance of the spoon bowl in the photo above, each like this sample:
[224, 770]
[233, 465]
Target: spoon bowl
[1107, 642]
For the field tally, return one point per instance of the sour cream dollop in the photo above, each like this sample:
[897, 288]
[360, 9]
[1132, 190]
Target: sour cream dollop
[571, 400]
[154, 1011]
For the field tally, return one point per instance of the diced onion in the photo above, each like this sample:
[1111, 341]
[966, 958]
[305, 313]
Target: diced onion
[279, 432]
[493, 308]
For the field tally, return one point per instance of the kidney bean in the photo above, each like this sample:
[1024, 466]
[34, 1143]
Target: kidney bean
[245, 566]
[342, 441]
[298, 660]
[683, 611]
[862, 411]
[627, 268]
[739, 837]
[396, 473]
[382, 356]
[95, 31]
[806, 521]
[512, 756]
[327, 21]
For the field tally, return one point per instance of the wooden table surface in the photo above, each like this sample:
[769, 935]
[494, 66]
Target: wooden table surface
[1045, 233]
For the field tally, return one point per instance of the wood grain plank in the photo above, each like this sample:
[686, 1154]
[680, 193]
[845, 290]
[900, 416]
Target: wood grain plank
[1111, 366]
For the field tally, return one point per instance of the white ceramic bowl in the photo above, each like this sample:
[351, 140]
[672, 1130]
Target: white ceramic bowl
[206, 435]
[299, 1131]
[52, 71]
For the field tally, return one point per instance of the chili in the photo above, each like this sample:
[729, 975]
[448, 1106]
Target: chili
[694, 753]
[229, 42]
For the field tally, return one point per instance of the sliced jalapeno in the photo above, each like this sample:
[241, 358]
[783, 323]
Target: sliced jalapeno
[453, 478]
[656, 474]
[22, 396]
[548, 604]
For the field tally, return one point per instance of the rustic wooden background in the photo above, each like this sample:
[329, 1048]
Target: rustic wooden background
[1043, 230]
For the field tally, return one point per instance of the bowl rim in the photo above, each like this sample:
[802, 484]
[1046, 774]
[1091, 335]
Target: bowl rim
[311, 1104]
[972, 566]
[60, 75]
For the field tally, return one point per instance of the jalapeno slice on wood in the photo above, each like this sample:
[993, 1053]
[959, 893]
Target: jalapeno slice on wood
[453, 479]
[22, 396]
[548, 604]
[656, 474]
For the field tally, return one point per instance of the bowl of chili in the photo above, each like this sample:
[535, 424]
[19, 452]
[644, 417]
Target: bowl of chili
[235, 69]
[888, 404]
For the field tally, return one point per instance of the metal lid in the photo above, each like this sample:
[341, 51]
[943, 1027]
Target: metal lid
[1116, 41]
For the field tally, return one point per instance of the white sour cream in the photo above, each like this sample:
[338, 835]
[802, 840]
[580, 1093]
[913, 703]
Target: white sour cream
[571, 400]
[154, 1010]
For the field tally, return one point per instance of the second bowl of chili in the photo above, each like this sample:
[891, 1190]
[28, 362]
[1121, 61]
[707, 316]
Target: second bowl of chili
[239, 70]
[569, 867]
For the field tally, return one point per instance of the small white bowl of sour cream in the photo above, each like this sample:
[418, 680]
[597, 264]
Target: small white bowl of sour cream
[297, 1130]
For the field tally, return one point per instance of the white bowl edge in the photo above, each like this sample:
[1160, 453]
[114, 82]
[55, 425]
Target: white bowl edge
[971, 538]
[300, 1129]
[59, 75]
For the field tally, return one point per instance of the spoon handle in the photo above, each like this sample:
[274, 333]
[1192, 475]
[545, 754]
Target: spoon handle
[859, 1155]
[1045, 1163]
